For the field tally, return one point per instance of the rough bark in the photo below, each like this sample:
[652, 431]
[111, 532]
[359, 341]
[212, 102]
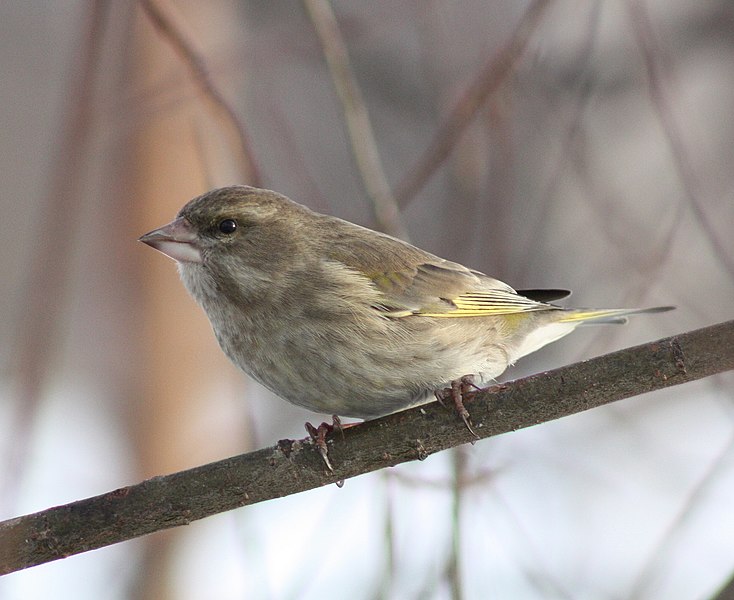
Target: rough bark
[293, 466]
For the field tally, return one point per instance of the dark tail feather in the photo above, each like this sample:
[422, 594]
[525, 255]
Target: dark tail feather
[544, 295]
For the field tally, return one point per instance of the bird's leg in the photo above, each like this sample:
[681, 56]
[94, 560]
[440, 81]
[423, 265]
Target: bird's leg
[460, 389]
[318, 435]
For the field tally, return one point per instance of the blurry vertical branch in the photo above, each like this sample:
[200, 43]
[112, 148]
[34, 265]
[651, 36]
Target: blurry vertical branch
[490, 78]
[164, 21]
[294, 465]
[46, 288]
[572, 136]
[364, 145]
[674, 535]
[640, 24]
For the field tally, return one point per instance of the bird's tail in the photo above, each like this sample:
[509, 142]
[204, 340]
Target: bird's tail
[596, 316]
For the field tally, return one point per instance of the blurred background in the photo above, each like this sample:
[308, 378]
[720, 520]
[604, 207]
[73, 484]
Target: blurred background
[570, 143]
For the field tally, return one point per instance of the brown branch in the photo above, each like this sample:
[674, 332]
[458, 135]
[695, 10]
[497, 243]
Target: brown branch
[294, 466]
[364, 146]
[490, 77]
[726, 591]
[163, 20]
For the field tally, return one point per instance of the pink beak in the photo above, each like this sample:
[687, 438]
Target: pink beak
[177, 240]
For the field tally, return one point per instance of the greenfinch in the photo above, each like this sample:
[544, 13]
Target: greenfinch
[344, 320]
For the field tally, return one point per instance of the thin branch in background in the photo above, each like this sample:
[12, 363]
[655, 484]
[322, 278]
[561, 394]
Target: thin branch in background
[540, 576]
[492, 75]
[642, 28]
[582, 95]
[453, 564]
[294, 466]
[387, 579]
[649, 265]
[45, 291]
[293, 159]
[480, 478]
[165, 21]
[364, 146]
[719, 465]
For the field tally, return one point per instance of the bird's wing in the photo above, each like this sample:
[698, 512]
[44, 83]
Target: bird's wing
[414, 282]
[449, 290]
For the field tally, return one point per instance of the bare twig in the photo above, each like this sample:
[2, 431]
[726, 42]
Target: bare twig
[640, 22]
[164, 21]
[387, 580]
[534, 564]
[570, 140]
[665, 545]
[359, 127]
[294, 466]
[453, 566]
[490, 77]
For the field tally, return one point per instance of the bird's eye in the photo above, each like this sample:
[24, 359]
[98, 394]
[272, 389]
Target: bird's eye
[227, 226]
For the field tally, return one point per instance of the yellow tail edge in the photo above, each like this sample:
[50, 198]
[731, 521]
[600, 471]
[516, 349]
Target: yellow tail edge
[607, 315]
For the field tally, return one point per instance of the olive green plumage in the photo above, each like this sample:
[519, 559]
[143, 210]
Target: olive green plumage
[344, 320]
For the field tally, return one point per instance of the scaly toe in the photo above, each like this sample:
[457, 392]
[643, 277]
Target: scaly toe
[318, 435]
[460, 388]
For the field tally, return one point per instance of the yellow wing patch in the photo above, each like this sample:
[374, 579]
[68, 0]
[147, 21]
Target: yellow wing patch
[485, 304]
[590, 315]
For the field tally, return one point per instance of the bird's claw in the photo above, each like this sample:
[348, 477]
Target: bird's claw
[460, 388]
[318, 435]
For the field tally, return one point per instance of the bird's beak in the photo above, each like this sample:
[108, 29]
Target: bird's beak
[177, 240]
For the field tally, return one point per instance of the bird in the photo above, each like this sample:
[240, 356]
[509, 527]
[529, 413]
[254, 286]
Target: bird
[344, 320]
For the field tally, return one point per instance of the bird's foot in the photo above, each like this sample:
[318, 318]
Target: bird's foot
[460, 390]
[318, 435]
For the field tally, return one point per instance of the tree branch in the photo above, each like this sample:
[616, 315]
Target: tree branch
[294, 466]
[489, 78]
[162, 17]
[643, 30]
[359, 127]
